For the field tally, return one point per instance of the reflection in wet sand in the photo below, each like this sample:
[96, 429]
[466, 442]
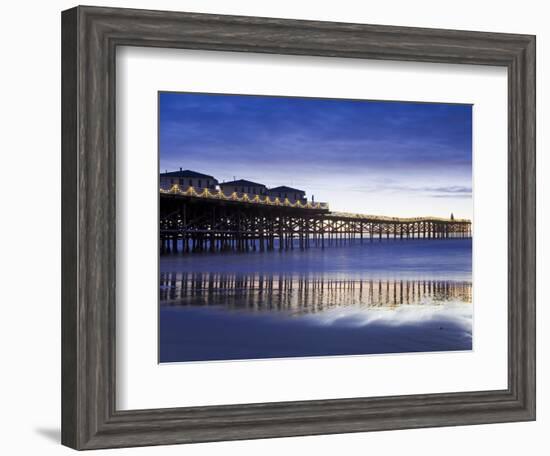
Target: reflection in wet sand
[304, 294]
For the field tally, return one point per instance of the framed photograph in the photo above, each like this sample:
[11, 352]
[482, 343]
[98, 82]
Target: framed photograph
[280, 228]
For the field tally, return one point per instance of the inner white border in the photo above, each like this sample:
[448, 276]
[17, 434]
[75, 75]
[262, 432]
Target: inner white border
[142, 383]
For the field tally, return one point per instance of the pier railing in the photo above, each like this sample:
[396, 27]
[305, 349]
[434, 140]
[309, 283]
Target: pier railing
[245, 198]
[384, 218]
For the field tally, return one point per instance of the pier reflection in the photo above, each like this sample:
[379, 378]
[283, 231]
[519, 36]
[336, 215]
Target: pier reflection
[304, 294]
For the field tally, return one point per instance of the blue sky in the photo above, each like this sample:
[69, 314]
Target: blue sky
[387, 158]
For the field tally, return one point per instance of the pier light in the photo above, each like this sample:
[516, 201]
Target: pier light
[254, 198]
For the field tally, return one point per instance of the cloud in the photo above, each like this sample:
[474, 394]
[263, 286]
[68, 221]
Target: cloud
[451, 189]
[466, 195]
[330, 135]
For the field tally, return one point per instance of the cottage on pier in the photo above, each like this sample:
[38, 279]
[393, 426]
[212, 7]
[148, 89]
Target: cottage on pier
[284, 192]
[242, 186]
[186, 178]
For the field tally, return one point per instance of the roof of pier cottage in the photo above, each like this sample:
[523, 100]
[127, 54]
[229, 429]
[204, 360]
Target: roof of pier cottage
[243, 183]
[187, 173]
[285, 189]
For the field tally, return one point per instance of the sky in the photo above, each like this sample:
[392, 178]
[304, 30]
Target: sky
[370, 157]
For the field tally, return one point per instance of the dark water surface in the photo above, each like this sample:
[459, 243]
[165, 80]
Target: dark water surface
[383, 297]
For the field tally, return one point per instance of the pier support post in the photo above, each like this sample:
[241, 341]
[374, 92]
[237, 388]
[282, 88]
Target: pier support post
[175, 243]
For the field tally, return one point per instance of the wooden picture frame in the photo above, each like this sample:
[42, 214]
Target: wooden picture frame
[90, 36]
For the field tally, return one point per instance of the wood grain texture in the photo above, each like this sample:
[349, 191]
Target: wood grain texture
[69, 184]
[89, 39]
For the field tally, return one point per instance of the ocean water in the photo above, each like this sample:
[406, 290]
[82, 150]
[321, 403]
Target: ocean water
[392, 296]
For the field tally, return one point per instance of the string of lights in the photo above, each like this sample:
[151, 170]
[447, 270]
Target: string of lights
[245, 198]
[257, 199]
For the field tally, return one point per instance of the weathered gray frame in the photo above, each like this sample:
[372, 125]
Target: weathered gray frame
[90, 36]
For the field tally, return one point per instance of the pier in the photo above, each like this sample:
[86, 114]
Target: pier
[212, 221]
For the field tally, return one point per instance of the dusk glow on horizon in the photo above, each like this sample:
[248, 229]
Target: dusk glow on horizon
[372, 157]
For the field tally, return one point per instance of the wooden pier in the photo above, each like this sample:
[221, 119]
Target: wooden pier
[210, 222]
